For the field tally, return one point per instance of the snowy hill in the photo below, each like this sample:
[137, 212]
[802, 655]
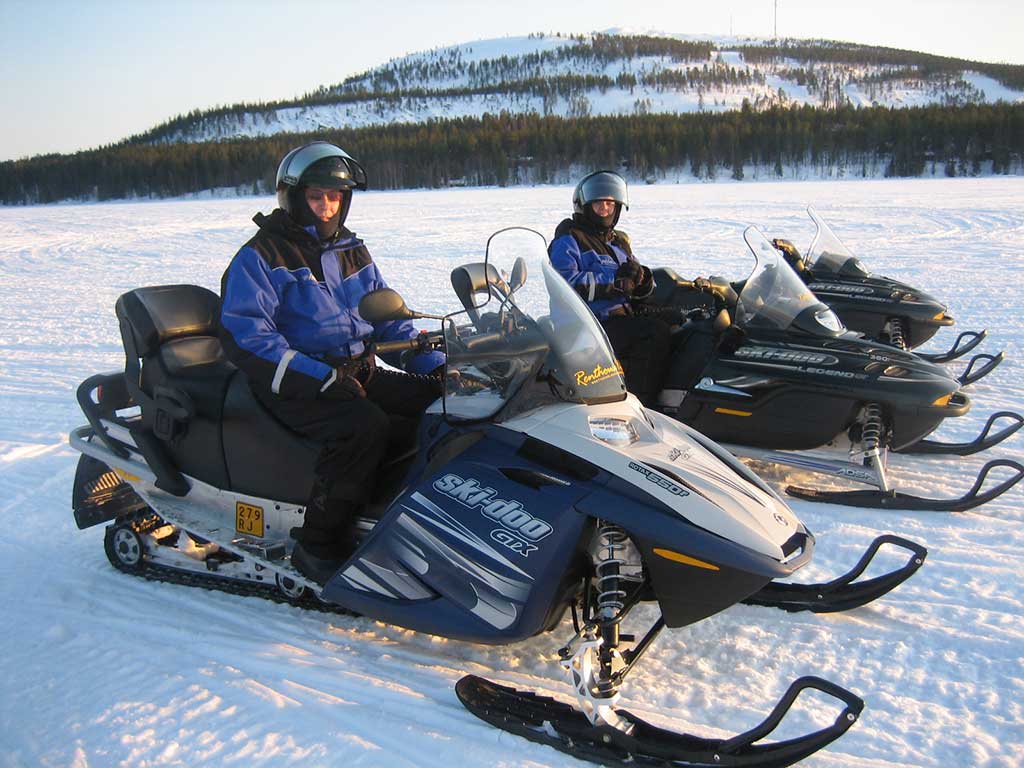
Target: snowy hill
[613, 73]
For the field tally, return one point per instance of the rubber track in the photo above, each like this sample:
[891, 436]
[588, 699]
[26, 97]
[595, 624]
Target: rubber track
[144, 523]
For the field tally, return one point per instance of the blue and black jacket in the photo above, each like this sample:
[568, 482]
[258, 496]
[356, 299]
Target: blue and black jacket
[289, 303]
[588, 260]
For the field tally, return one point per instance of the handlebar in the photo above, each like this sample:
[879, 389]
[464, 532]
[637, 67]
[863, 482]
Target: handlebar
[384, 347]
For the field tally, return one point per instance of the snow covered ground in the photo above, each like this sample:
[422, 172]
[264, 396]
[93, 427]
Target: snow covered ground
[102, 669]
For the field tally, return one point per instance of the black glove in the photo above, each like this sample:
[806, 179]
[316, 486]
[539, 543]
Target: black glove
[644, 286]
[628, 276]
[340, 385]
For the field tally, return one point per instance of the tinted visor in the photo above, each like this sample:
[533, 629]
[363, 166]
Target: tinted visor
[604, 186]
[330, 173]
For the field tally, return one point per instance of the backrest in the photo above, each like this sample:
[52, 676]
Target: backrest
[170, 342]
[154, 315]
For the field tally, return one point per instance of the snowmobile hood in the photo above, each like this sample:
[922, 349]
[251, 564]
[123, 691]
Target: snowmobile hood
[673, 464]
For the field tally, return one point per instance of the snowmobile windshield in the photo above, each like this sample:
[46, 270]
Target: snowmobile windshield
[525, 334]
[828, 254]
[774, 297]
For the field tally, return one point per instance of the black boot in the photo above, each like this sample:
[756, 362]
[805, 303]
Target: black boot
[314, 568]
[325, 540]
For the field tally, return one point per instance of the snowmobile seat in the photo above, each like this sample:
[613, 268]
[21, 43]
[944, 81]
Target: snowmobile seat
[176, 371]
[264, 457]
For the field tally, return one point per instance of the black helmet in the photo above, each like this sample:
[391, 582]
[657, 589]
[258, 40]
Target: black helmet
[319, 164]
[600, 185]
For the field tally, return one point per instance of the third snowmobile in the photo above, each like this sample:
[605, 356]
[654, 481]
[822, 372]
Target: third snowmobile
[537, 486]
[880, 307]
[774, 373]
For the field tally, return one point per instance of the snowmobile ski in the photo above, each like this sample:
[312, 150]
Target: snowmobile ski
[978, 444]
[974, 338]
[841, 594]
[896, 500]
[991, 362]
[546, 721]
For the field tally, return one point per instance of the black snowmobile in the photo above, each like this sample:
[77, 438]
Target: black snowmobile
[879, 307]
[538, 485]
[773, 371]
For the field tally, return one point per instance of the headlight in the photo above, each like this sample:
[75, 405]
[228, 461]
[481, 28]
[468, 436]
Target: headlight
[612, 430]
[828, 319]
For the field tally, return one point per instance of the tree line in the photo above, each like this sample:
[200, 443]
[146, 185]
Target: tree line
[509, 149]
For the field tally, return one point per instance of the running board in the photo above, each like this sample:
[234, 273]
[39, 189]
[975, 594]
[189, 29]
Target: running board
[969, 376]
[956, 350]
[546, 721]
[841, 594]
[980, 443]
[905, 501]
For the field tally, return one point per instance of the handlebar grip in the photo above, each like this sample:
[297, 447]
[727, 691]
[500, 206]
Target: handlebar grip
[384, 347]
[481, 340]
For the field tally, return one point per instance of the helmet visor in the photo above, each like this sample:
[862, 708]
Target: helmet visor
[604, 186]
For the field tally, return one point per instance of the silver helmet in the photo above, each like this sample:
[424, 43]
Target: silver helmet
[321, 164]
[600, 185]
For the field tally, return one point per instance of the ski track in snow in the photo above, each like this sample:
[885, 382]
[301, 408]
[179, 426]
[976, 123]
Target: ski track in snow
[102, 669]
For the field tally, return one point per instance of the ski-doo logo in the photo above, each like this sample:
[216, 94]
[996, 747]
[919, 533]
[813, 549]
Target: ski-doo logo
[838, 288]
[599, 374]
[521, 529]
[661, 482]
[675, 453]
[785, 356]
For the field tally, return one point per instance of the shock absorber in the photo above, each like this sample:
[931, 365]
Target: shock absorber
[608, 564]
[897, 337]
[872, 441]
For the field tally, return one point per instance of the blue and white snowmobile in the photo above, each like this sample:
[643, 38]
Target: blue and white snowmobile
[538, 487]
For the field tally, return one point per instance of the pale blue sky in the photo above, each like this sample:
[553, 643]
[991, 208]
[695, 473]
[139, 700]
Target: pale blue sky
[80, 74]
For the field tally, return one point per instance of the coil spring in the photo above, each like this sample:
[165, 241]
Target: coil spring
[896, 336]
[611, 544]
[872, 429]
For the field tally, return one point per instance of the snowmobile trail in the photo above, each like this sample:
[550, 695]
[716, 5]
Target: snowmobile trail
[100, 668]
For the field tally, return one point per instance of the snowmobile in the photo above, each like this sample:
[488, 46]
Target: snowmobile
[774, 373]
[879, 307]
[537, 486]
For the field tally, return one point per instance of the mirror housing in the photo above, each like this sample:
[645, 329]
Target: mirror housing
[384, 304]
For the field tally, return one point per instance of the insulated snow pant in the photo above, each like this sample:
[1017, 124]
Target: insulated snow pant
[642, 345]
[355, 435]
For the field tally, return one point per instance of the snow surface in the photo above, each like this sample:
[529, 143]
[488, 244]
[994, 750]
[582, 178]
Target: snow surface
[103, 669]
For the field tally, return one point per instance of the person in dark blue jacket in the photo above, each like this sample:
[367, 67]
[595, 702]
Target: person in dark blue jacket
[290, 321]
[597, 260]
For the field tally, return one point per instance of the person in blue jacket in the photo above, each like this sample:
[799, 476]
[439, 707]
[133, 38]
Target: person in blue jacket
[597, 260]
[290, 321]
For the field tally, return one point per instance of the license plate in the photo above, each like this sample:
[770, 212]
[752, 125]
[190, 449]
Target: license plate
[249, 519]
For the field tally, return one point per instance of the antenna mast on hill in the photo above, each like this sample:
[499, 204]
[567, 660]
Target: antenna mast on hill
[776, 19]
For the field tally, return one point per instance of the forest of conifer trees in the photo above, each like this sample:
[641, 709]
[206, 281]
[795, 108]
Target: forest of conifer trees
[529, 149]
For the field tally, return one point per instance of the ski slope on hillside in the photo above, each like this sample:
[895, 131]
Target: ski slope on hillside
[99, 669]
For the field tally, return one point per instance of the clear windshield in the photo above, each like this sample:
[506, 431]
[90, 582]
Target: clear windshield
[523, 322]
[774, 295]
[827, 252]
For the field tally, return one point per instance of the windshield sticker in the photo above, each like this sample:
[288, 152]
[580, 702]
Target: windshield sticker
[599, 374]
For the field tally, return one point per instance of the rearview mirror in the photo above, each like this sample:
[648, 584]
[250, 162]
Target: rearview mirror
[384, 304]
